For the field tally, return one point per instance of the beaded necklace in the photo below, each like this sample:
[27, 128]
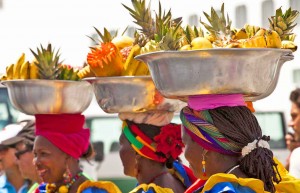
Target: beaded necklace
[51, 188]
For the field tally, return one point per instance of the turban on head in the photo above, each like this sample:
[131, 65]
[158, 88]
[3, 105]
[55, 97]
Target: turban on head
[65, 131]
[199, 125]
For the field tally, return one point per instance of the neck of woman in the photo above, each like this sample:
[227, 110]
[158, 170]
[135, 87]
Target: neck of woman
[151, 173]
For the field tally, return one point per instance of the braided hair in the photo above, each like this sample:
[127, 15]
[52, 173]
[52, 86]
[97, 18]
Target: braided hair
[240, 126]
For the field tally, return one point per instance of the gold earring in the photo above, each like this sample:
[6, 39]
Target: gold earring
[67, 175]
[203, 165]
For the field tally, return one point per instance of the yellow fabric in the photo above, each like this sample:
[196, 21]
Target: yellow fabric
[106, 185]
[288, 184]
[146, 187]
[254, 184]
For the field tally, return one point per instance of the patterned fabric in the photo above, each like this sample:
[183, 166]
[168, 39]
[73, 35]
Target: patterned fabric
[229, 182]
[199, 125]
[165, 145]
[183, 173]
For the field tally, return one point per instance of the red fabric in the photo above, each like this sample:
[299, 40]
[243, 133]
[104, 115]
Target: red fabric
[195, 186]
[190, 174]
[65, 131]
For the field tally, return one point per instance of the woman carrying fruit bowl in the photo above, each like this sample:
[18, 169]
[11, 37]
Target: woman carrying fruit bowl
[149, 149]
[225, 146]
[60, 141]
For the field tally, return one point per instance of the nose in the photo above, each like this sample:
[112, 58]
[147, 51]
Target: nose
[35, 161]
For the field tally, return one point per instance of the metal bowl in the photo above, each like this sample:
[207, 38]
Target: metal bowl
[130, 94]
[49, 96]
[253, 72]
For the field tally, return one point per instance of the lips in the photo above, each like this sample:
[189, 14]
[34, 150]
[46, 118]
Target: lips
[42, 172]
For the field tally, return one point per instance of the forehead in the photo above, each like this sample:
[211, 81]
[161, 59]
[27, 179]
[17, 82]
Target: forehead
[41, 143]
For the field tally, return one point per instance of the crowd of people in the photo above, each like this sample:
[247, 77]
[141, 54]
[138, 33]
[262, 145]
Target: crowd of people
[219, 137]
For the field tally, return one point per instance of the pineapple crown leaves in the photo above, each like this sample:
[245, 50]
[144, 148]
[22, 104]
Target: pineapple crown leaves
[219, 26]
[142, 16]
[172, 39]
[105, 37]
[162, 23]
[192, 32]
[47, 62]
[283, 23]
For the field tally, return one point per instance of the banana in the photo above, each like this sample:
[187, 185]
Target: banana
[17, 66]
[260, 32]
[24, 71]
[34, 71]
[10, 72]
[131, 64]
[142, 69]
[85, 72]
[273, 39]
[286, 44]
[255, 42]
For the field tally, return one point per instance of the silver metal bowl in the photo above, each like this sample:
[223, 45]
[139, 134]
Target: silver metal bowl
[130, 94]
[253, 72]
[49, 96]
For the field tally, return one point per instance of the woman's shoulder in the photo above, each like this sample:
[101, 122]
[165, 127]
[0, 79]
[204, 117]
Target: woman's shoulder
[229, 182]
[90, 186]
[150, 188]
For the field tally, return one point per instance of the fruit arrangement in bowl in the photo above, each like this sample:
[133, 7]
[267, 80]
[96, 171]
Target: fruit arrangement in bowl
[46, 85]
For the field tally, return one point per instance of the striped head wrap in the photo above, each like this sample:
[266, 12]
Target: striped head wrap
[165, 145]
[199, 125]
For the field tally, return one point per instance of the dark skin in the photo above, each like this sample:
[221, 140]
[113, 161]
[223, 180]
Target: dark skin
[215, 162]
[146, 170]
[51, 163]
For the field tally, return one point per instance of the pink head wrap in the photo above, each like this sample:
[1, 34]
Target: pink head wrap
[212, 101]
[65, 131]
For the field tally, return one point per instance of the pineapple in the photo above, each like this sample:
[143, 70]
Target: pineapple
[105, 58]
[190, 33]
[219, 28]
[47, 62]
[159, 33]
[143, 18]
[283, 23]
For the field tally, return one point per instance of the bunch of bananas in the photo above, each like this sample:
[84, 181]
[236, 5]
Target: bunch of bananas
[133, 67]
[21, 70]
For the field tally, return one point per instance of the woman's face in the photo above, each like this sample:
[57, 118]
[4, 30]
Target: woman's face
[50, 162]
[193, 154]
[127, 155]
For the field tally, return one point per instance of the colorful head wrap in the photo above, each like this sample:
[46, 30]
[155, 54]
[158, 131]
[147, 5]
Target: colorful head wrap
[199, 125]
[165, 145]
[65, 131]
